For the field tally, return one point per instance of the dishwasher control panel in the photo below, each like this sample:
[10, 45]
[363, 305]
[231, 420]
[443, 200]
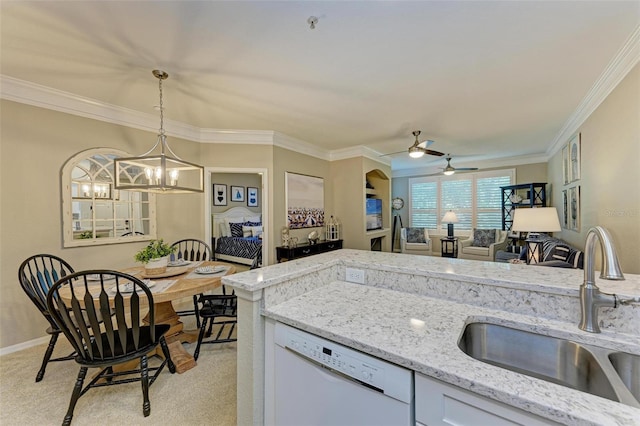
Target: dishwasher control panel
[373, 372]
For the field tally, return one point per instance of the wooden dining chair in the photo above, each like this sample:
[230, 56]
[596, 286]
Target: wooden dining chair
[192, 250]
[37, 274]
[78, 301]
[220, 311]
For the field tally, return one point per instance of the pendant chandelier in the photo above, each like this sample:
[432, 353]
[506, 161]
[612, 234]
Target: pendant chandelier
[159, 172]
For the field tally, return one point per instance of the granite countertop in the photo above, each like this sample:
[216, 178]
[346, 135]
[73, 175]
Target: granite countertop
[421, 333]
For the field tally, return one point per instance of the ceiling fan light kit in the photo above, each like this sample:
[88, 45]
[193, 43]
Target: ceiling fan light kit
[418, 149]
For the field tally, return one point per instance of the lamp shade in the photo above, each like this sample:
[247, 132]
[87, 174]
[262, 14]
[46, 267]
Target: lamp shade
[540, 219]
[450, 217]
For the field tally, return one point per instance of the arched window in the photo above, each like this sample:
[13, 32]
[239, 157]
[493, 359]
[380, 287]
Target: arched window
[94, 212]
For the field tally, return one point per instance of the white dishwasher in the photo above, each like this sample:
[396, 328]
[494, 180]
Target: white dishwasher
[320, 382]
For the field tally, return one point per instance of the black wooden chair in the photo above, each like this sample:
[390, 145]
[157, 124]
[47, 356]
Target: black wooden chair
[78, 301]
[192, 250]
[219, 310]
[37, 275]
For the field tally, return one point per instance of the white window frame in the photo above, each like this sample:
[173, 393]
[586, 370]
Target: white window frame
[68, 222]
[441, 229]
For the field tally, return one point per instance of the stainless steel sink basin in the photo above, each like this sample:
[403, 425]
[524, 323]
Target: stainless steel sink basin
[628, 368]
[582, 367]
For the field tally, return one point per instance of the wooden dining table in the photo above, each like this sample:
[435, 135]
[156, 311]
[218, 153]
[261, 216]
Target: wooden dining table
[187, 284]
[176, 283]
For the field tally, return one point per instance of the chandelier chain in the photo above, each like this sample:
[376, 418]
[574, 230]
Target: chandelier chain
[161, 108]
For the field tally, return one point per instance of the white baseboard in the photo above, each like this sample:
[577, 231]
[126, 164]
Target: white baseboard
[24, 345]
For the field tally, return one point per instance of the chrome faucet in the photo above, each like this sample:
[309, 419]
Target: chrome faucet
[591, 298]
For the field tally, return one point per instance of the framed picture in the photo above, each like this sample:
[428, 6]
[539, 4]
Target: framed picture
[566, 166]
[237, 193]
[565, 209]
[305, 201]
[574, 208]
[252, 197]
[574, 158]
[219, 194]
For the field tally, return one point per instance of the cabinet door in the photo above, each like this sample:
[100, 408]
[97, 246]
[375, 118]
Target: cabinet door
[438, 403]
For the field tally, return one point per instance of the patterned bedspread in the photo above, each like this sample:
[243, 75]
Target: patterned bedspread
[239, 247]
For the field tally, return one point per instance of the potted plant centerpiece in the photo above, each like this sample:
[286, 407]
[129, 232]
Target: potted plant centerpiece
[155, 257]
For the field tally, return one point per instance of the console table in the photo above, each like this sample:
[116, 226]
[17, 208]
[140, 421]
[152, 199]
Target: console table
[302, 250]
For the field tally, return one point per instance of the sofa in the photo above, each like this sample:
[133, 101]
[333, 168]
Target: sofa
[558, 253]
[482, 244]
[415, 241]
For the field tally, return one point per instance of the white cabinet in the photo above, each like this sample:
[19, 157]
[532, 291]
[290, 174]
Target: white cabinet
[438, 403]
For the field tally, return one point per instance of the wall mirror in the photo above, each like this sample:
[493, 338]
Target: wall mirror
[93, 212]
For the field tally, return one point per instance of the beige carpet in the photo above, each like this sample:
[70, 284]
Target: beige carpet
[204, 395]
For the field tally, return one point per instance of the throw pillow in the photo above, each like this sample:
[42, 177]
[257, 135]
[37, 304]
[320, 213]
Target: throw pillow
[256, 231]
[257, 218]
[483, 237]
[236, 230]
[229, 220]
[559, 252]
[415, 235]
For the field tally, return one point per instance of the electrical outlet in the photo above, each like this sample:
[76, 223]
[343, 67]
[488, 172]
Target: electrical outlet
[355, 275]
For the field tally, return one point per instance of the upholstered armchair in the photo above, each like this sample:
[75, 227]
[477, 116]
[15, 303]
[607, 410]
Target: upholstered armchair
[415, 241]
[483, 244]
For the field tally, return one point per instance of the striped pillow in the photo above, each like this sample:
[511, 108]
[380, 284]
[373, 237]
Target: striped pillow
[236, 229]
[560, 252]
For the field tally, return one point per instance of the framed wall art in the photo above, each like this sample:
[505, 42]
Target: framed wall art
[566, 166]
[305, 201]
[237, 193]
[574, 208]
[565, 209]
[219, 194]
[574, 158]
[252, 197]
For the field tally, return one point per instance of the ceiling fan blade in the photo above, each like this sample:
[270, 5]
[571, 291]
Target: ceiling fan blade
[393, 153]
[432, 152]
[460, 169]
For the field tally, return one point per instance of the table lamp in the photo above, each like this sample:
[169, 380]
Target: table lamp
[450, 218]
[534, 221]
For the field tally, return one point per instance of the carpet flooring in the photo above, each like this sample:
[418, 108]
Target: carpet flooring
[204, 395]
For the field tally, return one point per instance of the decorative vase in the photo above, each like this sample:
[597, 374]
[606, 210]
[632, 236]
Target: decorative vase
[156, 266]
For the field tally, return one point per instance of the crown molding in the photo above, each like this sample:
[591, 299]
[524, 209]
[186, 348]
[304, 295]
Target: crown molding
[238, 137]
[624, 60]
[288, 142]
[359, 151]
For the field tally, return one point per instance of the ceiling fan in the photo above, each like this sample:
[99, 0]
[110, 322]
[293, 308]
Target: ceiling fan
[418, 149]
[449, 170]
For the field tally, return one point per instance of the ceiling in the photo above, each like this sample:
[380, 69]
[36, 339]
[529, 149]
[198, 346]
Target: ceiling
[483, 79]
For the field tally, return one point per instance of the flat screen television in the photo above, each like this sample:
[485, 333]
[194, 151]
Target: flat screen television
[374, 214]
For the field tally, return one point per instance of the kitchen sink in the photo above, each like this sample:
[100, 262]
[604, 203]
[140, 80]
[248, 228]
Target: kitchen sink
[628, 368]
[586, 368]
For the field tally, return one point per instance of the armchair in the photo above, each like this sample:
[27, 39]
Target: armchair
[415, 241]
[483, 244]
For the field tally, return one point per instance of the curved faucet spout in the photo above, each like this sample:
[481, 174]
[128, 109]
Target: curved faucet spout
[591, 298]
